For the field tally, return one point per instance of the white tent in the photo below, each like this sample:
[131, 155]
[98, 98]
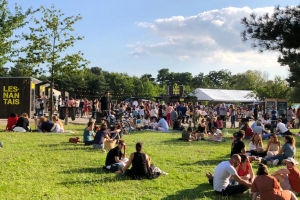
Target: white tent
[224, 95]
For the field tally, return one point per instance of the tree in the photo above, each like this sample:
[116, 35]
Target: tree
[21, 70]
[278, 32]
[249, 80]
[163, 75]
[48, 40]
[272, 89]
[9, 22]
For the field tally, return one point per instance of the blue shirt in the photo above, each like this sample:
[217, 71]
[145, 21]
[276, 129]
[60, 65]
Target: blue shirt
[87, 135]
[288, 150]
[163, 124]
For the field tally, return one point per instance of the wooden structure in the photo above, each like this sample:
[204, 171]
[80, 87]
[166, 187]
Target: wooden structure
[17, 95]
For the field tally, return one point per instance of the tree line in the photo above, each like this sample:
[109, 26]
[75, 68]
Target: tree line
[48, 35]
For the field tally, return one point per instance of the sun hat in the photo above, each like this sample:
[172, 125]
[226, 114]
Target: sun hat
[290, 159]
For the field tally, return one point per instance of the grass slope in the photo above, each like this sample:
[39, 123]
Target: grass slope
[46, 166]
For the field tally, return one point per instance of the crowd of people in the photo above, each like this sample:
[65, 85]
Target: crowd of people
[230, 177]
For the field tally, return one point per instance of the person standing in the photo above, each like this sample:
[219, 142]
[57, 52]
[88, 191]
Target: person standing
[255, 112]
[105, 104]
[222, 111]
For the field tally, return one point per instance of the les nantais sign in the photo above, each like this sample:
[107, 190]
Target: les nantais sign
[11, 95]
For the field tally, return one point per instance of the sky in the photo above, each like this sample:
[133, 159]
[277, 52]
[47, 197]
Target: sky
[144, 36]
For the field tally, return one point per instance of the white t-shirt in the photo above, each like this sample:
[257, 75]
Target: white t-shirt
[281, 127]
[218, 131]
[146, 122]
[135, 103]
[222, 174]
[142, 112]
[153, 112]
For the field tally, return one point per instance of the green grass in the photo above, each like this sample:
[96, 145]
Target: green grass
[46, 166]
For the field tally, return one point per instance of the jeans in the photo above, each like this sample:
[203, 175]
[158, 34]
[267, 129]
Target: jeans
[233, 121]
[37, 111]
[265, 136]
[280, 158]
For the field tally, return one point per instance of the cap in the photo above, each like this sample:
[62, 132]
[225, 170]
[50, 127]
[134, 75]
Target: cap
[290, 159]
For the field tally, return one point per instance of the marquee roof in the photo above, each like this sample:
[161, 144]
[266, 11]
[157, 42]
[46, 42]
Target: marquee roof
[203, 94]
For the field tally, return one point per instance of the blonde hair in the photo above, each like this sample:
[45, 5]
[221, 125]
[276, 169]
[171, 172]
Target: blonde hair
[43, 119]
[25, 115]
[56, 119]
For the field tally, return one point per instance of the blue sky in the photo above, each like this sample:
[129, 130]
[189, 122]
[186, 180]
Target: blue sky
[143, 36]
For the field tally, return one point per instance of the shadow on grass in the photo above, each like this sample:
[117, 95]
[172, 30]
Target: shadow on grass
[95, 170]
[117, 178]
[203, 191]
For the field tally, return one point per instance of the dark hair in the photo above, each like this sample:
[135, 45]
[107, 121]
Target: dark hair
[189, 129]
[262, 169]
[89, 123]
[243, 157]
[240, 134]
[103, 127]
[106, 92]
[13, 115]
[138, 146]
[121, 141]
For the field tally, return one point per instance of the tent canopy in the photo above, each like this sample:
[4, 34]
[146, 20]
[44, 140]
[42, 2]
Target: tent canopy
[224, 95]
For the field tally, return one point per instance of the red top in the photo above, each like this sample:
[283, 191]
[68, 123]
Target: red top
[294, 178]
[241, 172]
[11, 121]
[249, 132]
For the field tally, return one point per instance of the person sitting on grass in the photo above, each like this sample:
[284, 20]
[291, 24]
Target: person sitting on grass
[256, 146]
[288, 149]
[221, 179]
[45, 125]
[289, 177]
[115, 159]
[188, 135]
[247, 129]
[162, 124]
[238, 146]
[273, 146]
[88, 134]
[244, 169]
[260, 129]
[177, 124]
[141, 165]
[100, 138]
[267, 187]
[216, 135]
[282, 129]
[11, 121]
[146, 121]
[22, 124]
[114, 133]
[59, 124]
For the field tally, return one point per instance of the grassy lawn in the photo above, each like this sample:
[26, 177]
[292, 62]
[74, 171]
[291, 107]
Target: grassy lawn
[46, 166]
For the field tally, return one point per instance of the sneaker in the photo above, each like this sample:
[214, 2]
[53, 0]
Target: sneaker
[275, 162]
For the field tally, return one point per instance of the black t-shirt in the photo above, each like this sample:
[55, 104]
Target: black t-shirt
[23, 122]
[104, 103]
[110, 158]
[237, 146]
[255, 112]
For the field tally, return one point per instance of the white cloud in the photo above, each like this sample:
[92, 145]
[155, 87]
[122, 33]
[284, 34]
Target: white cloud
[211, 37]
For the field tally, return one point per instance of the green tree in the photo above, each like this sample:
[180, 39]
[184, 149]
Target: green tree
[48, 40]
[278, 32]
[276, 88]
[162, 76]
[9, 22]
[21, 70]
[219, 79]
[249, 80]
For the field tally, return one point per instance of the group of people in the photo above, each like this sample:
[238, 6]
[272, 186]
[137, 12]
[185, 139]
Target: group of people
[236, 176]
[21, 124]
